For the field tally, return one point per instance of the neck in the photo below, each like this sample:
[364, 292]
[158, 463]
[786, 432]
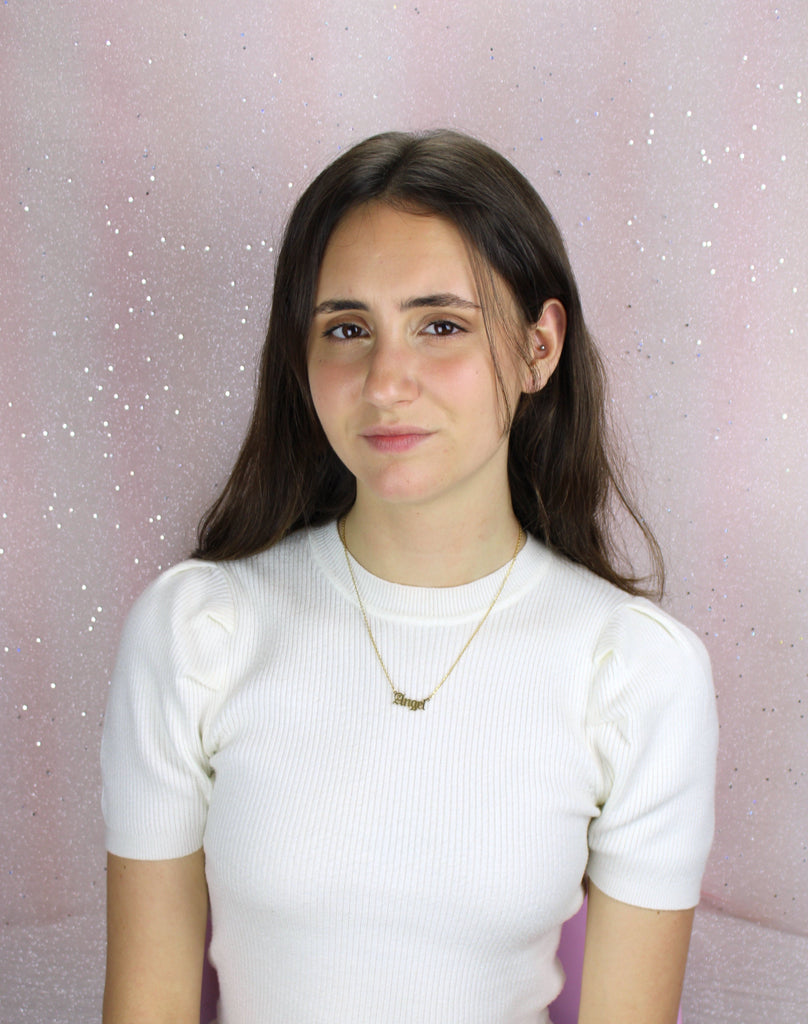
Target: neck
[419, 548]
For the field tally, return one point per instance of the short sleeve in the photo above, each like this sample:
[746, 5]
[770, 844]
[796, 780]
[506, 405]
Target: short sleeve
[168, 675]
[653, 729]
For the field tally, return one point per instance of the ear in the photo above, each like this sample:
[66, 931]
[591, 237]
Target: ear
[546, 340]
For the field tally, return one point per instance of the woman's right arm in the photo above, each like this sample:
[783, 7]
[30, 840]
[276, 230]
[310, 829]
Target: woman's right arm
[156, 919]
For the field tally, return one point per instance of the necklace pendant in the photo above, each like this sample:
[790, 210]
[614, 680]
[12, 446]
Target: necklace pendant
[406, 702]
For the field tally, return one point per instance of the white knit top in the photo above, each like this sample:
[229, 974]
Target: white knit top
[370, 863]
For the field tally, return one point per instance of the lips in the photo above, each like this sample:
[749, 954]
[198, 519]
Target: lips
[399, 430]
[398, 438]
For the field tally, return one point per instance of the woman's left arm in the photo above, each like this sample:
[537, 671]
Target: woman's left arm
[634, 962]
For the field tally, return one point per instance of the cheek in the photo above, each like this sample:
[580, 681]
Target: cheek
[318, 391]
[328, 388]
[477, 387]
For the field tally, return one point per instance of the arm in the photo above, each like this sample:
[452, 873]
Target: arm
[156, 919]
[634, 962]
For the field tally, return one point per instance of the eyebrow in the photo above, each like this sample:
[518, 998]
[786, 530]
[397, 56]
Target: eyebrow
[440, 300]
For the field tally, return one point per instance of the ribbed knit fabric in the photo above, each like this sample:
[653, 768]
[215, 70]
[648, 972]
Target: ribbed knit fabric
[369, 863]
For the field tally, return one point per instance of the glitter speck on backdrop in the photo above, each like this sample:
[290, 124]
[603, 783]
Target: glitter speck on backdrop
[150, 154]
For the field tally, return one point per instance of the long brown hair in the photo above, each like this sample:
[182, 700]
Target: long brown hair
[565, 485]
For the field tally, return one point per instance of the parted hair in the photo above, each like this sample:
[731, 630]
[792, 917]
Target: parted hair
[565, 481]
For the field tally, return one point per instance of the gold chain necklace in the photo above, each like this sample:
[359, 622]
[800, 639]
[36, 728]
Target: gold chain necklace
[398, 696]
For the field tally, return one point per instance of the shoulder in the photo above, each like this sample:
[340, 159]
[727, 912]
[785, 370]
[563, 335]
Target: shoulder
[642, 645]
[652, 698]
[177, 624]
[198, 590]
[637, 628]
[577, 595]
[188, 592]
[621, 626]
[197, 603]
[637, 658]
[285, 561]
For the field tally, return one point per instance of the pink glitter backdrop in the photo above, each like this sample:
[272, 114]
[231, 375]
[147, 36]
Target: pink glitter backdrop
[150, 153]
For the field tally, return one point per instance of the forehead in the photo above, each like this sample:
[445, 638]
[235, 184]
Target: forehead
[376, 243]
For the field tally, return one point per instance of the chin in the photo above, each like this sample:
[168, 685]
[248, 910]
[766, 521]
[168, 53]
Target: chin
[403, 492]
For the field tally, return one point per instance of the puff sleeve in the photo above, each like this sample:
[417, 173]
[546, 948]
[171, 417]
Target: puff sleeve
[653, 730]
[165, 688]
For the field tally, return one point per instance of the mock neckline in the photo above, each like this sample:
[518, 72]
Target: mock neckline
[397, 600]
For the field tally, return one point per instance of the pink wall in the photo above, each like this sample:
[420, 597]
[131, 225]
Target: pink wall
[149, 155]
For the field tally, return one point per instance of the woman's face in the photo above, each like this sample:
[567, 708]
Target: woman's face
[400, 365]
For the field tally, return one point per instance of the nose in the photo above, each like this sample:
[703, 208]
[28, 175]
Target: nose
[391, 372]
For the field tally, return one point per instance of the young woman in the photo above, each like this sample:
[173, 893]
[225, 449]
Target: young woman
[404, 700]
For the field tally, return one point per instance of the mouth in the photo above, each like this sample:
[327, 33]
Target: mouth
[395, 439]
[398, 430]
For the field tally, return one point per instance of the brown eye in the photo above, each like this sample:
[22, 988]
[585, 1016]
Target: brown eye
[345, 332]
[442, 328]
